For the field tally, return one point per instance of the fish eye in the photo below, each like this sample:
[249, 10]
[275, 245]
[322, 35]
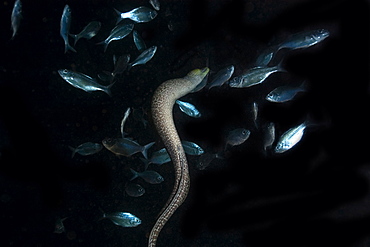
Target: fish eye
[65, 71]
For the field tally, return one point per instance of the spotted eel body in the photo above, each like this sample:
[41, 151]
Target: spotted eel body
[162, 103]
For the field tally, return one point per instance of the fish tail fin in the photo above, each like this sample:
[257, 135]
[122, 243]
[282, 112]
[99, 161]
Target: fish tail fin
[129, 66]
[68, 47]
[119, 18]
[304, 86]
[75, 38]
[73, 150]
[107, 89]
[103, 214]
[146, 162]
[105, 44]
[279, 66]
[317, 122]
[135, 174]
[145, 149]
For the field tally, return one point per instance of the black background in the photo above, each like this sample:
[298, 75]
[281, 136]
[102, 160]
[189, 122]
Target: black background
[313, 195]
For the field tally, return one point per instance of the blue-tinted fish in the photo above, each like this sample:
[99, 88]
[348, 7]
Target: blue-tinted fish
[254, 76]
[201, 85]
[123, 122]
[123, 219]
[305, 39]
[221, 77]
[255, 113]
[159, 157]
[125, 146]
[269, 136]
[16, 17]
[188, 109]
[117, 33]
[290, 138]
[134, 190]
[285, 93]
[155, 4]
[138, 41]
[65, 24]
[205, 160]
[141, 14]
[83, 81]
[88, 32]
[86, 148]
[59, 226]
[120, 66]
[299, 40]
[144, 57]
[151, 177]
[192, 148]
[237, 137]
[266, 56]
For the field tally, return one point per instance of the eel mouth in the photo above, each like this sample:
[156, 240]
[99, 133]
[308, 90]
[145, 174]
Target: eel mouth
[204, 70]
[199, 72]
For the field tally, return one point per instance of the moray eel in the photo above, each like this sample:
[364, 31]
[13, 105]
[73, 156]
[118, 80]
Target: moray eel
[162, 103]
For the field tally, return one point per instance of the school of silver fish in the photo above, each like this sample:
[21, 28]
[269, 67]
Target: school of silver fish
[122, 145]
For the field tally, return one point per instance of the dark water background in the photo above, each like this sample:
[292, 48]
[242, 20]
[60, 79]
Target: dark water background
[317, 194]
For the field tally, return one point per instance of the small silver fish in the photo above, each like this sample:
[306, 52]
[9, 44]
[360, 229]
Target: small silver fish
[159, 157]
[266, 56]
[269, 136]
[151, 177]
[16, 17]
[237, 137]
[290, 138]
[59, 226]
[117, 33]
[155, 4]
[285, 93]
[305, 39]
[88, 32]
[134, 190]
[65, 24]
[255, 113]
[124, 119]
[121, 64]
[144, 57]
[188, 109]
[254, 76]
[140, 14]
[221, 77]
[123, 219]
[201, 85]
[84, 82]
[192, 148]
[125, 146]
[86, 148]
[138, 41]
[205, 160]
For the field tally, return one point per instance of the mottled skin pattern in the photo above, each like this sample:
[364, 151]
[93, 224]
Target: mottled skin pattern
[163, 100]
